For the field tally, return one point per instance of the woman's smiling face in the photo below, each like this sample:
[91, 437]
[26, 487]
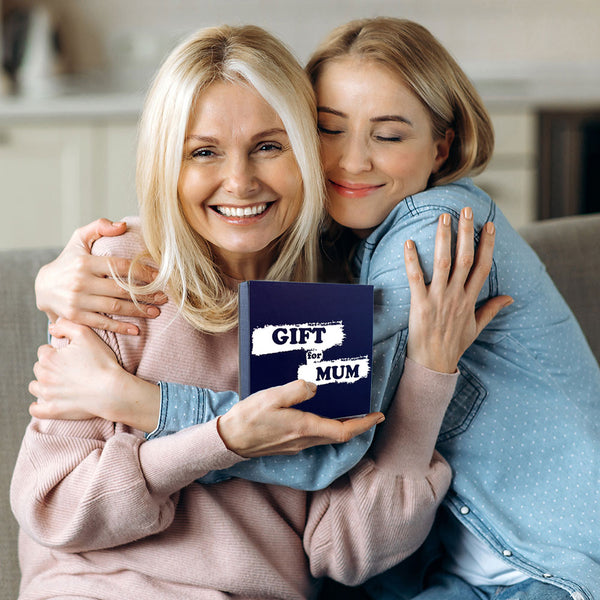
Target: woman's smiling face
[376, 141]
[239, 186]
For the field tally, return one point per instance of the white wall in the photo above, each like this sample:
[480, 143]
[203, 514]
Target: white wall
[483, 35]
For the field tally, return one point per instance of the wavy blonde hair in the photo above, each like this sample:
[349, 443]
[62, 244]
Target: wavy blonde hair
[187, 270]
[413, 54]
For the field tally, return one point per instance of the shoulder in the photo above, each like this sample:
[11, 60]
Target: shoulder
[127, 245]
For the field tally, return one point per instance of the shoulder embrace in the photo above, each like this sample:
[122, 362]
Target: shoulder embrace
[126, 245]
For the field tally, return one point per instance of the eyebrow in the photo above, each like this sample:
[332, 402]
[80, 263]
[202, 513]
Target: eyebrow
[213, 140]
[381, 119]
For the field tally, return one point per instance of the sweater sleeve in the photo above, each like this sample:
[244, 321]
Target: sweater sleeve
[311, 469]
[85, 485]
[382, 510]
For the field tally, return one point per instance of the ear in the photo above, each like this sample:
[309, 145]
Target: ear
[442, 149]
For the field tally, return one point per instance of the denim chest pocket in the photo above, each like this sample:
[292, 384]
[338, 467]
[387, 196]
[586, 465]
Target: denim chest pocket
[464, 406]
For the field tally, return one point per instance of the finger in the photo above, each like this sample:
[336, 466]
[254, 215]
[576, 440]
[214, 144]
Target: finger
[442, 255]
[483, 260]
[102, 322]
[45, 410]
[63, 328]
[45, 350]
[334, 431]
[143, 274]
[294, 393]
[489, 310]
[414, 273]
[116, 306]
[34, 388]
[354, 427]
[88, 234]
[464, 254]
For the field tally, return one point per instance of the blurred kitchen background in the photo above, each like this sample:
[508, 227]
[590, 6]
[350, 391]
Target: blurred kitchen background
[75, 71]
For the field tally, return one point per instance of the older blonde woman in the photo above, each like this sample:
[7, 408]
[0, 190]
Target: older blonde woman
[229, 124]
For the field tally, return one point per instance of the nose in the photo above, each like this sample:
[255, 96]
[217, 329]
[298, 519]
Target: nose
[355, 155]
[239, 177]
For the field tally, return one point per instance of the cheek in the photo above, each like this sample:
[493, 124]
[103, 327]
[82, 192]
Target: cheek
[329, 154]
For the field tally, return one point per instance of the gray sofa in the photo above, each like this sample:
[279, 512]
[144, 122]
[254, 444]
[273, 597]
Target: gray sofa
[570, 248]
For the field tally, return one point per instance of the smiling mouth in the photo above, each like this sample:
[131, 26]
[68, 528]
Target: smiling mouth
[354, 189]
[239, 212]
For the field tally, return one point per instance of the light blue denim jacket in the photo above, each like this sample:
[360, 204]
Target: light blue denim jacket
[522, 432]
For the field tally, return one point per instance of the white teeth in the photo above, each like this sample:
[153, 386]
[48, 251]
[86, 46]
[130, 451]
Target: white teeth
[249, 211]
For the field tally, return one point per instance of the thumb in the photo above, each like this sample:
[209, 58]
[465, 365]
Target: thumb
[88, 234]
[63, 328]
[295, 392]
[489, 310]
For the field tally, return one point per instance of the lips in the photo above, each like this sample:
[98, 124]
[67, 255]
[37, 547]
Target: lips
[354, 190]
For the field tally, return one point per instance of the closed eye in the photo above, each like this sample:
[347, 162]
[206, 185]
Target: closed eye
[382, 138]
[327, 131]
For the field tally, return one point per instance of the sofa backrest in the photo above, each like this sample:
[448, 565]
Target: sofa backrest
[22, 329]
[569, 247]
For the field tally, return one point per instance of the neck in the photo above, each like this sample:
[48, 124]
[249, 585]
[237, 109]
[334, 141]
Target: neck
[237, 269]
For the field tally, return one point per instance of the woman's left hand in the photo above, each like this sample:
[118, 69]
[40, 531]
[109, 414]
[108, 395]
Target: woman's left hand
[443, 321]
[83, 380]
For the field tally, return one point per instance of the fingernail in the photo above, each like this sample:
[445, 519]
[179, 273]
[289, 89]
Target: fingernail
[446, 219]
[410, 244]
[508, 302]
[380, 419]
[132, 331]
[152, 311]
[467, 212]
[489, 227]
[312, 387]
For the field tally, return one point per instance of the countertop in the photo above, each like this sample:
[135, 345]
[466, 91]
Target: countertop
[98, 98]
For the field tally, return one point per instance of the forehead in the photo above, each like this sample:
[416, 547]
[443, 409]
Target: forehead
[356, 80]
[229, 108]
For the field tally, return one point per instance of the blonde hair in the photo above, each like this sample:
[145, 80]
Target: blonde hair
[413, 54]
[187, 270]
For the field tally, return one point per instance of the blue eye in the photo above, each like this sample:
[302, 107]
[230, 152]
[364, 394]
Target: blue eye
[269, 147]
[202, 153]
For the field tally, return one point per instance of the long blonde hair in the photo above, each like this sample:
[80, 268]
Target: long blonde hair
[413, 54]
[187, 269]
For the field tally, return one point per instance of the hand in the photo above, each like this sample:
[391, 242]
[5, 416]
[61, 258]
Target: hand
[83, 380]
[443, 321]
[78, 286]
[265, 423]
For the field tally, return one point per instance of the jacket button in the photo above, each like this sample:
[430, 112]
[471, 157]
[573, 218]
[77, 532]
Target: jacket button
[507, 552]
[547, 575]
[465, 510]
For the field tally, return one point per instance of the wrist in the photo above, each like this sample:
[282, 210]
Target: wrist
[134, 401]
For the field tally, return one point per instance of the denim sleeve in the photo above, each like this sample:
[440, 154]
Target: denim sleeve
[312, 469]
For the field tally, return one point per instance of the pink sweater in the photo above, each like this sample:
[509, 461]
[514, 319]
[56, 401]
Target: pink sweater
[105, 514]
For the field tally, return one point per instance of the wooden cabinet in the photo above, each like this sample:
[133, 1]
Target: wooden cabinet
[55, 177]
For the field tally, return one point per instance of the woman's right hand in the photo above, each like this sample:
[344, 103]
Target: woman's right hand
[267, 423]
[79, 286]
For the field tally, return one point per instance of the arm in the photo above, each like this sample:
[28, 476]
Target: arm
[312, 469]
[381, 512]
[84, 485]
[77, 286]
